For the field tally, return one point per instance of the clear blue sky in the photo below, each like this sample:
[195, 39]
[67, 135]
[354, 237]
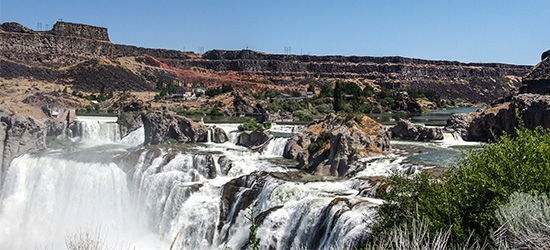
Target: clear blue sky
[507, 31]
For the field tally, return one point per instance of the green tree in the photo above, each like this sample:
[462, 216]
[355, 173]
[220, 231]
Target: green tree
[248, 125]
[311, 88]
[338, 96]
[326, 90]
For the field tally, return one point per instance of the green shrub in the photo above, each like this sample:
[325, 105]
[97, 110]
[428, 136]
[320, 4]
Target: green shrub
[467, 196]
[249, 125]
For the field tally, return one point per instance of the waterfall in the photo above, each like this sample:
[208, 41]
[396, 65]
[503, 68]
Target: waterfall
[134, 138]
[95, 130]
[195, 195]
[47, 197]
[452, 138]
[275, 147]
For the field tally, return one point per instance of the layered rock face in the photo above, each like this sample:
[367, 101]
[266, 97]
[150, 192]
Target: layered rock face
[18, 135]
[66, 44]
[332, 145]
[24, 52]
[80, 30]
[470, 81]
[160, 126]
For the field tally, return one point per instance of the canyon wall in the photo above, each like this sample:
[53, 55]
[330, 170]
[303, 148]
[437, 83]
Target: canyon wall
[67, 44]
[24, 51]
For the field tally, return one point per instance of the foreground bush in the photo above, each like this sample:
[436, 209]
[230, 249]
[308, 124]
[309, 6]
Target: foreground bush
[466, 198]
[417, 237]
[525, 222]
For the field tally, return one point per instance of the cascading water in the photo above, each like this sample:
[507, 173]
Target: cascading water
[47, 196]
[96, 130]
[275, 147]
[196, 196]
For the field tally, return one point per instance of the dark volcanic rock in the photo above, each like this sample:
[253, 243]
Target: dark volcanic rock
[80, 30]
[533, 109]
[160, 126]
[218, 135]
[18, 135]
[15, 27]
[406, 103]
[225, 164]
[545, 55]
[238, 194]
[245, 104]
[254, 139]
[459, 123]
[407, 130]
[538, 79]
[128, 122]
[332, 145]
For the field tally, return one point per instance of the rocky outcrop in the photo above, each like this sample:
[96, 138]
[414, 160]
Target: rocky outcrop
[68, 43]
[128, 122]
[160, 127]
[238, 194]
[533, 109]
[406, 103]
[225, 164]
[245, 104]
[80, 30]
[18, 135]
[459, 123]
[407, 130]
[545, 55]
[332, 145]
[254, 139]
[537, 81]
[218, 135]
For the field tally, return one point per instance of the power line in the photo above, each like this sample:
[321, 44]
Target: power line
[288, 50]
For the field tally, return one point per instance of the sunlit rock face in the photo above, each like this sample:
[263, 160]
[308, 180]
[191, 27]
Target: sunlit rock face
[18, 135]
[161, 126]
[331, 145]
[407, 130]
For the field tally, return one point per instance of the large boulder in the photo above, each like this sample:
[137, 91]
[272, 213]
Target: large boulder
[19, 134]
[459, 123]
[161, 126]
[332, 145]
[254, 139]
[407, 130]
[218, 135]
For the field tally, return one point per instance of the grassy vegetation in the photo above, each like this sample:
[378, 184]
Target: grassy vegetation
[467, 198]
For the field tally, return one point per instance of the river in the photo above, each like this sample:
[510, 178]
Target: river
[196, 196]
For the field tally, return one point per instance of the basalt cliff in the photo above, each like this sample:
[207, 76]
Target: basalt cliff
[531, 106]
[83, 58]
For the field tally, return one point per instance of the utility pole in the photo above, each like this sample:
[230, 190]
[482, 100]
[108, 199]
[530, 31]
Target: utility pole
[287, 50]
